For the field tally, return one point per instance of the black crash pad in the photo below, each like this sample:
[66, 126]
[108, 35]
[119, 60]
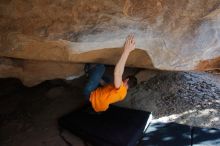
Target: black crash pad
[115, 127]
[166, 134]
[205, 136]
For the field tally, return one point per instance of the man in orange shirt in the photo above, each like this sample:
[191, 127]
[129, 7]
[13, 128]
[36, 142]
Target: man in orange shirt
[101, 97]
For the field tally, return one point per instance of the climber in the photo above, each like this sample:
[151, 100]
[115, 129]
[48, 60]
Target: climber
[101, 96]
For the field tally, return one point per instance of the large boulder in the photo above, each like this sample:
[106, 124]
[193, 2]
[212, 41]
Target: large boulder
[170, 34]
[32, 72]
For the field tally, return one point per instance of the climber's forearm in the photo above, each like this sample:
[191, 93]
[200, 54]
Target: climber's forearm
[119, 69]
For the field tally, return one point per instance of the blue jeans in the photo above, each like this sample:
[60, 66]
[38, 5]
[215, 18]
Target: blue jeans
[95, 74]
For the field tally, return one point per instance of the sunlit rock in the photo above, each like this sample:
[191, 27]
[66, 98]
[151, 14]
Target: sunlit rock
[170, 34]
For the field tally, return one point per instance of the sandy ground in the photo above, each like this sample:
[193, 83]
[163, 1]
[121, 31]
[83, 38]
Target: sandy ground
[28, 116]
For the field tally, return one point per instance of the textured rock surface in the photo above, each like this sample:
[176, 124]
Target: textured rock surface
[35, 72]
[183, 97]
[172, 35]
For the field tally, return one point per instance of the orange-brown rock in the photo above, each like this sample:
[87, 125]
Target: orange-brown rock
[34, 72]
[170, 34]
[212, 65]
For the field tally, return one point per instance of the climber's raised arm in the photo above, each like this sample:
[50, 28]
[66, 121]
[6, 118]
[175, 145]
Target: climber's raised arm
[119, 68]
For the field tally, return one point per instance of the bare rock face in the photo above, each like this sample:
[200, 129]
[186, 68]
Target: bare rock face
[34, 72]
[170, 34]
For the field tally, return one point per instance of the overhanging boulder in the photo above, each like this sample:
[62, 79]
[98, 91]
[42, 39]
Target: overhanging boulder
[170, 34]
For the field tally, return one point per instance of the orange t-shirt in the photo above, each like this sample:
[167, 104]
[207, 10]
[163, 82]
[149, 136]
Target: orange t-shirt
[103, 96]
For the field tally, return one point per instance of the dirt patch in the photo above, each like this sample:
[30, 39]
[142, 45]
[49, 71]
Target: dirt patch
[184, 97]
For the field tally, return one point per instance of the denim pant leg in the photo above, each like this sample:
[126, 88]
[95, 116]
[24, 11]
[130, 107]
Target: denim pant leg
[108, 79]
[95, 75]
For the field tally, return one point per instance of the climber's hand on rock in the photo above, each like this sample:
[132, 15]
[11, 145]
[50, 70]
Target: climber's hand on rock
[129, 43]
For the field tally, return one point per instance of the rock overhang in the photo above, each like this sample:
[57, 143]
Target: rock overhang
[170, 35]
